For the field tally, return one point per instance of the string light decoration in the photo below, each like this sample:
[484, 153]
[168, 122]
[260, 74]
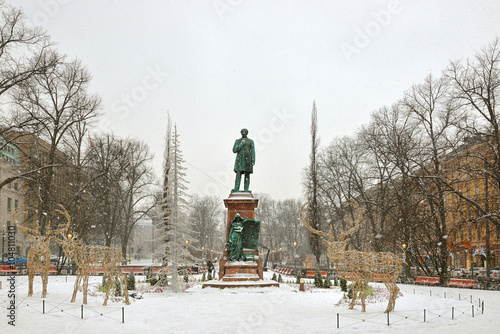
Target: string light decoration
[359, 267]
[94, 259]
[38, 260]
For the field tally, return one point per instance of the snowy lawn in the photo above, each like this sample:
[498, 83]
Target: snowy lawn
[256, 310]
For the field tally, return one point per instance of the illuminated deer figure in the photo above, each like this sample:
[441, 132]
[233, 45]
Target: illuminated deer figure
[38, 260]
[97, 259]
[360, 267]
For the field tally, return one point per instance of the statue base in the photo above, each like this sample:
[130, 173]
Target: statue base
[243, 204]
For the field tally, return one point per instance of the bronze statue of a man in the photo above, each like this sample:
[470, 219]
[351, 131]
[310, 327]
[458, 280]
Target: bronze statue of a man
[245, 159]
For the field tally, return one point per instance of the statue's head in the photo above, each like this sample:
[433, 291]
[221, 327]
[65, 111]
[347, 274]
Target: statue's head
[237, 218]
[244, 132]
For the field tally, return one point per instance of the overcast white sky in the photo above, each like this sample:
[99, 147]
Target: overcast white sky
[221, 65]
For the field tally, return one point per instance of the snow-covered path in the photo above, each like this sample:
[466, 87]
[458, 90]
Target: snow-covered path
[266, 310]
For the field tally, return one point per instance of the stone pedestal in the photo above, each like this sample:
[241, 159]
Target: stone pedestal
[241, 273]
[243, 204]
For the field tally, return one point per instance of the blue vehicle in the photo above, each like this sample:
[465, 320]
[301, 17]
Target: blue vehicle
[18, 259]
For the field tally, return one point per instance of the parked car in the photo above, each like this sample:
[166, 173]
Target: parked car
[477, 272]
[495, 273]
[458, 272]
[18, 259]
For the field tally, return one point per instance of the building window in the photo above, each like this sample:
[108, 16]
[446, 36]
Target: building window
[9, 204]
[16, 204]
[477, 188]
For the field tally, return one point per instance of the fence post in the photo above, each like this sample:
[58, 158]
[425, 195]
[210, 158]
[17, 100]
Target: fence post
[452, 313]
[424, 315]
[482, 307]
[473, 311]
[82, 311]
[43, 303]
[471, 299]
[388, 318]
[430, 292]
[445, 295]
[338, 320]
[123, 315]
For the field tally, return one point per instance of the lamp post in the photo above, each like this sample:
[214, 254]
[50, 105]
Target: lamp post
[404, 246]
[203, 253]
[295, 244]
[152, 243]
[70, 261]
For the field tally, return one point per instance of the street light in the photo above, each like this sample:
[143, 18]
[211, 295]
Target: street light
[295, 244]
[404, 246]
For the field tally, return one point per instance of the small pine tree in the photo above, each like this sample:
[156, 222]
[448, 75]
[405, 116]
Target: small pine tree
[274, 277]
[327, 284]
[186, 277]
[343, 285]
[349, 292]
[131, 281]
[280, 279]
[203, 278]
[297, 280]
[318, 280]
[118, 287]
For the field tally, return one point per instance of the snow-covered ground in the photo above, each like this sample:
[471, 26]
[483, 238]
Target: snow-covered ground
[256, 310]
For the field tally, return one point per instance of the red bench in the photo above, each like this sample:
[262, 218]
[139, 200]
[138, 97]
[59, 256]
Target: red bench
[8, 269]
[96, 271]
[427, 280]
[462, 283]
[135, 270]
[312, 273]
[374, 277]
[156, 270]
[52, 270]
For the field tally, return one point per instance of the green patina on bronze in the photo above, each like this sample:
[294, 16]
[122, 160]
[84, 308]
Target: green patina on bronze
[244, 234]
[245, 160]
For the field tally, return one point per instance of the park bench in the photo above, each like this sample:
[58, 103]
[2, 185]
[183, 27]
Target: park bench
[462, 283]
[96, 271]
[52, 270]
[312, 273]
[135, 270]
[157, 270]
[8, 270]
[374, 277]
[427, 280]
